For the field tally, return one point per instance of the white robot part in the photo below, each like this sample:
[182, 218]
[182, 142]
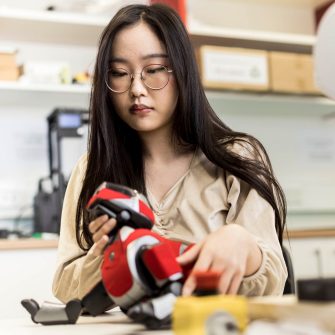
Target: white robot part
[324, 54]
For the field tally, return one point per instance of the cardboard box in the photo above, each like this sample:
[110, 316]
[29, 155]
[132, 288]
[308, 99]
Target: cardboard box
[9, 73]
[292, 73]
[7, 59]
[233, 68]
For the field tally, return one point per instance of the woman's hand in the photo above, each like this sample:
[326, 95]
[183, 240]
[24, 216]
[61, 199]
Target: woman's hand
[99, 228]
[231, 251]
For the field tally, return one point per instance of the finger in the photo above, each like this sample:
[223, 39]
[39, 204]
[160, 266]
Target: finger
[99, 246]
[190, 255]
[235, 284]
[104, 229]
[95, 225]
[225, 281]
[189, 286]
[202, 264]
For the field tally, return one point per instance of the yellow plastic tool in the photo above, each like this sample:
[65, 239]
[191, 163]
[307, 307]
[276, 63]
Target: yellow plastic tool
[203, 315]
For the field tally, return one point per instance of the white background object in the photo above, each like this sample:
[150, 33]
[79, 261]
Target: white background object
[324, 53]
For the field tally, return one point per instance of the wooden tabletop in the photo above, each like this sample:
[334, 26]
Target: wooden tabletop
[111, 323]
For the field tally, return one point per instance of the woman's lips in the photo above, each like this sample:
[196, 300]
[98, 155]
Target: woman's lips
[140, 109]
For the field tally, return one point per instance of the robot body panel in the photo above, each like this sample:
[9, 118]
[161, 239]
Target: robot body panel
[120, 273]
[167, 270]
[115, 271]
[137, 264]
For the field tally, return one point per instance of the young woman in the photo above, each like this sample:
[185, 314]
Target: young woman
[152, 129]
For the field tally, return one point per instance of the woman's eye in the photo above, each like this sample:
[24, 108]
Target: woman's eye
[156, 69]
[118, 74]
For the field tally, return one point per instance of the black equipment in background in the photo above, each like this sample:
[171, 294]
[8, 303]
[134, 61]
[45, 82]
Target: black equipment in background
[62, 122]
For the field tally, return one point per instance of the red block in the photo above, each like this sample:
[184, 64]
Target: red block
[178, 5]
[161, 261]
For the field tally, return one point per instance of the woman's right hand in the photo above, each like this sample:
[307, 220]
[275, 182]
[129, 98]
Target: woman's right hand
[100, 228]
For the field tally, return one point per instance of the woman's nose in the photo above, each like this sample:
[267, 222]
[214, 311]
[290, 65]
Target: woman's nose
[137, 87]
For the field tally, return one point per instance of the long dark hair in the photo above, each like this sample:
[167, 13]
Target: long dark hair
[115, 150]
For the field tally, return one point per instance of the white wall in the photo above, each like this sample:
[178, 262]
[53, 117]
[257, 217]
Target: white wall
[312, 257]
[24, 151]
[300, 139]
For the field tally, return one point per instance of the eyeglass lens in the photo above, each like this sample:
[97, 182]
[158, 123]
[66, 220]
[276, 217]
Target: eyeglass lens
[154, 76]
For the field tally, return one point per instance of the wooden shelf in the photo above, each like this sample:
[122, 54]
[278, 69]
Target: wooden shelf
[310, 233]
[307, 103]
[272, 41]
[29, 243]
[268, 96]
[211, 94]
[84, 29]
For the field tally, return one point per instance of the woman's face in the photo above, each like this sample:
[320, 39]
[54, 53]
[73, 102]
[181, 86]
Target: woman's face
[143, 109]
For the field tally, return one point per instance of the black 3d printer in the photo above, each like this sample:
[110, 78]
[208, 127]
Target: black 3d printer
[62, 123]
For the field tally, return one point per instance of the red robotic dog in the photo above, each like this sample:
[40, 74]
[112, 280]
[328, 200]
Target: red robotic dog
[140, 273]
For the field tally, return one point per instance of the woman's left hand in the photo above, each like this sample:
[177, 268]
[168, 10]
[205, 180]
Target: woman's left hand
[231, 251]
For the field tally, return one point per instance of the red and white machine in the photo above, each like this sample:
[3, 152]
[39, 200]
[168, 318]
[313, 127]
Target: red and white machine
[140, 273]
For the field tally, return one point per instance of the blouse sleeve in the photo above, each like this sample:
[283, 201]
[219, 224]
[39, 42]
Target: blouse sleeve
[248, 209]
[255, 214]
[77, 271]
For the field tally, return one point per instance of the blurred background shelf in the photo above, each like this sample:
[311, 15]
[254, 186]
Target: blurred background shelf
[272, 41]
[221, 101]
[83, 29]
[49, 26]
[17, 96]
[51, 88]
[269, 96]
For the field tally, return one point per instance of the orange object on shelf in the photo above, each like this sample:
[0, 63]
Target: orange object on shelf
[178, 5]
[9, 71]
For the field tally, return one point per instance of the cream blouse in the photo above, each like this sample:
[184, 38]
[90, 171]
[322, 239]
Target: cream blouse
[203, 200]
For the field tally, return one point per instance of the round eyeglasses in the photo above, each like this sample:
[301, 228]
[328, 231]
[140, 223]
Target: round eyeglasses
[154, 76]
